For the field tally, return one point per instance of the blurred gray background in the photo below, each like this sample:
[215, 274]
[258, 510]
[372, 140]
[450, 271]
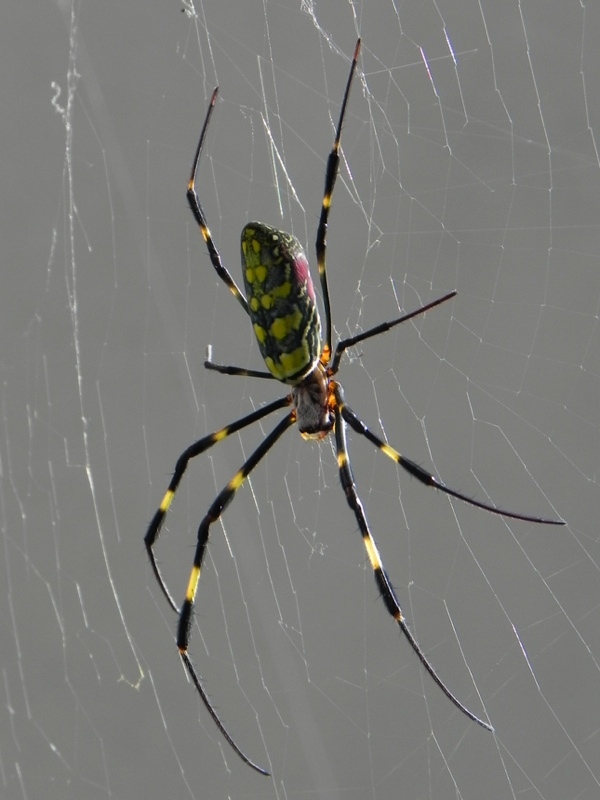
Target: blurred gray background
[470, 162]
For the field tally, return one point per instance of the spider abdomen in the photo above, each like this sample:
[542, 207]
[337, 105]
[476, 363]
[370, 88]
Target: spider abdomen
[281, 301]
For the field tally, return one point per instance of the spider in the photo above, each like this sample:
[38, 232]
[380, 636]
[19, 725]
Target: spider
[280, 301]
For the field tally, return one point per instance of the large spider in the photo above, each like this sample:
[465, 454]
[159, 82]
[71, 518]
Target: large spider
[280, 301]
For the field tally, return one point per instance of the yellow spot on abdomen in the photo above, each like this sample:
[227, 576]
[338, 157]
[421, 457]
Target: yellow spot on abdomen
[295, 361]
[261, 273]
[282, 326]
[260, 332]
[282, 291]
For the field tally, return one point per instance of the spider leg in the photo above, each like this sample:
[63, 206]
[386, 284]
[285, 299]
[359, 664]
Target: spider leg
[215, 717]
[219, 505]
[381, 578]
[427, 478]
[198, 213]
[213, 514]
[192, 451]
[225, 369]
[330, 177]
[383, 327]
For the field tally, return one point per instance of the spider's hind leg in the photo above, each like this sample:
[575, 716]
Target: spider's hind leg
[384, 585]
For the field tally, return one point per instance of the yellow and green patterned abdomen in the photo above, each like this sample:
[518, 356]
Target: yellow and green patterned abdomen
[281, 301]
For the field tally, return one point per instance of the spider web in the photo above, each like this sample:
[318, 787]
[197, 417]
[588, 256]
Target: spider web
[470, 162]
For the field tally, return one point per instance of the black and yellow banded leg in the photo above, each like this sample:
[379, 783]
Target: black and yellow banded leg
[427, 478]
[384, 585]
[194, 201]
[331, 172]
[223, 499]
[192, 451]
[187, 610]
